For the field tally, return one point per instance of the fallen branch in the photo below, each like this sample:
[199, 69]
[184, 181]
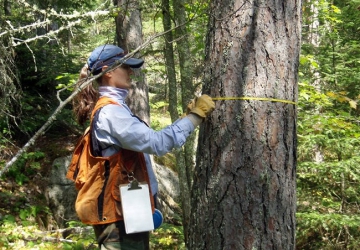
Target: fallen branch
[62, 104]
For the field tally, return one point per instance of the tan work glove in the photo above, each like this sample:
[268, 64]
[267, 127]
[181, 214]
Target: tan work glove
[204, 105]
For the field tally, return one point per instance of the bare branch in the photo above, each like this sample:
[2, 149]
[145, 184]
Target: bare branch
[54, 13]
[50, 14]
[48, 35]
[24, 28]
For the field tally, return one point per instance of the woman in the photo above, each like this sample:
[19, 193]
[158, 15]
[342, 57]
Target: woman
[116, 131]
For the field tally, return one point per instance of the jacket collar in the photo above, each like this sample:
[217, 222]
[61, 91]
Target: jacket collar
[115, 93]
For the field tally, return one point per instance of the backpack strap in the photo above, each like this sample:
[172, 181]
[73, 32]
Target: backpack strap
[95, 146]
[103, 101]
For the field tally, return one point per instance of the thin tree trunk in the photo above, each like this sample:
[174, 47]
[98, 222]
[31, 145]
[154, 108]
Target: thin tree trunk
[185, 161]
[7, 8]
[243, 195]
[172, 85]
[186, 80]
[129, 36]
[170, 61]
[313, 38]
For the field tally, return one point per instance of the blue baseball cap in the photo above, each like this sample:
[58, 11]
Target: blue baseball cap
[106, 55]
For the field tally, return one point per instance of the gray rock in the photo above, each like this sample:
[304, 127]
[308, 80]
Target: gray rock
[61, 192]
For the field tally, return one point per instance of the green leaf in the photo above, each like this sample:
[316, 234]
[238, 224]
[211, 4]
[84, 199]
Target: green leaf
[353, 104]
[315, 64]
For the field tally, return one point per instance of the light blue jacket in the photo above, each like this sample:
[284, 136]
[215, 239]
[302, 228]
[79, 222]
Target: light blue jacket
[118, 128]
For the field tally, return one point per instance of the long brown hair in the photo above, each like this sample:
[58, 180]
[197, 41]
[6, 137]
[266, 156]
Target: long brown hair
[84, 102]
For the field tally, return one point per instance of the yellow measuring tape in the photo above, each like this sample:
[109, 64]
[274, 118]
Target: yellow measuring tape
[253, 98]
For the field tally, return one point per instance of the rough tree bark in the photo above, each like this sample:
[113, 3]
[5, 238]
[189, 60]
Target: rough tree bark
[243, 195]
[129, 36]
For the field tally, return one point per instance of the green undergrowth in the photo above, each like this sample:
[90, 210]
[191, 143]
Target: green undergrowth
[26, 235]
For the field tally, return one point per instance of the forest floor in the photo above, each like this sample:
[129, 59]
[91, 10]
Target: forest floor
[26, 221]
[25, 182]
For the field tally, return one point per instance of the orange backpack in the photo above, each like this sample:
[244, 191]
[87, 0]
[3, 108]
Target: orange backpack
[97, 178]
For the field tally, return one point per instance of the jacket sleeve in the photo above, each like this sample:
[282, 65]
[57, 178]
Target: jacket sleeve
[116, 126]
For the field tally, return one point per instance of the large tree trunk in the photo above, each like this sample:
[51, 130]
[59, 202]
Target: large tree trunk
[129, 37]
[244, 186]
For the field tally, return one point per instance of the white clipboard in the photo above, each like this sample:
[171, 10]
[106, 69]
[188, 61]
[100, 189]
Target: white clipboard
[136, 207]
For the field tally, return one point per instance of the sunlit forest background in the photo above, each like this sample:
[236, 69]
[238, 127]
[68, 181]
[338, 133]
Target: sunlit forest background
[43, 46]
